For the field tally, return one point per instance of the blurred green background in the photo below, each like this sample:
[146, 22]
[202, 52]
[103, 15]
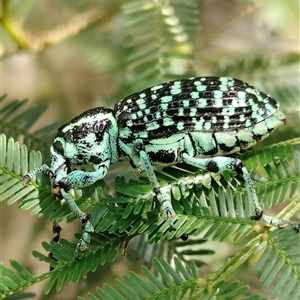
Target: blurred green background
[76, 55]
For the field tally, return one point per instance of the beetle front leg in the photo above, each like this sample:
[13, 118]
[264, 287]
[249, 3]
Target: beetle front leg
[42, 169]
[84, 218]
[80, 179]
[162, 195]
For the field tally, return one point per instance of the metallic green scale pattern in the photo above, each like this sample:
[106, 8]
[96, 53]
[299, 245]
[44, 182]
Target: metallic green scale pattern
[221, 115]
[199, 104]
[199, 121]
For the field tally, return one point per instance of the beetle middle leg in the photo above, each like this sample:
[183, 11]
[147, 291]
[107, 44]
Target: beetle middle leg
[162, 195]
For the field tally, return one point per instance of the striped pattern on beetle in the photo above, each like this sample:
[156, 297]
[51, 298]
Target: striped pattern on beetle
[198, 121]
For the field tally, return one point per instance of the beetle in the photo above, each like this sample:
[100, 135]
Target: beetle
[199, 121]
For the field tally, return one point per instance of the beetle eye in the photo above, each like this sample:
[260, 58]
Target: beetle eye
[58, 147]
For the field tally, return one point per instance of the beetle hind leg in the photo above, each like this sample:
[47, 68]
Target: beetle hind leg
[220, 163]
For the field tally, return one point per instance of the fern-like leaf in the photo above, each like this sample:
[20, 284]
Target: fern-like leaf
[14, 164]
[279, 264]
[175, 282]
[172, 282]
[16, 279]
[16, 120]
[159, 40]
[257, 68]
[210, 205]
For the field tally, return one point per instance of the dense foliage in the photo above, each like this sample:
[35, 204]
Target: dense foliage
[144, 43]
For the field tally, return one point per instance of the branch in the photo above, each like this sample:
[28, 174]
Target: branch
[26, 41]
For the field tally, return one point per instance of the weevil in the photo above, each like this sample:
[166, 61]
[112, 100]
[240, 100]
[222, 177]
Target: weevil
[199, 121]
